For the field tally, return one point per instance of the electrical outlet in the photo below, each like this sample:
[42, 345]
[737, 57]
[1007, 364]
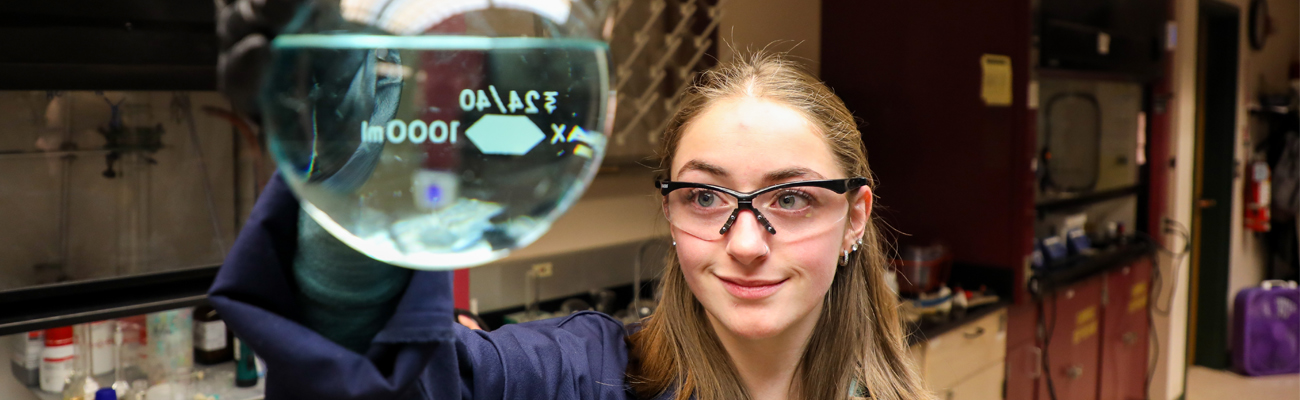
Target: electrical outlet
[542, 270]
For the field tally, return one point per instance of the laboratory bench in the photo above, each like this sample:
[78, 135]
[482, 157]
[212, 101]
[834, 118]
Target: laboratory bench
[1056, 276]
[936, 326]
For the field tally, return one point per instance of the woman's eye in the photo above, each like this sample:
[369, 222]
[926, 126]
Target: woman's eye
[705, 199]
[792, 201]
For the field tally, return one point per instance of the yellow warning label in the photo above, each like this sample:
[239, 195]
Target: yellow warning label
[995, 89]
[1139, 289]
[1083, 332]
[1085, 324]
[1083, 317]
[1137, 304]
[1138, 301]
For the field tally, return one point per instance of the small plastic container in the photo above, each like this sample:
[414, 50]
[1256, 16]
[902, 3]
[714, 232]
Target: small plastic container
[922, 269]
[26, 361]
[57, 359]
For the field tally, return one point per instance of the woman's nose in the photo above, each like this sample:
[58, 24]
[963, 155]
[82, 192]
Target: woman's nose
[747, 239]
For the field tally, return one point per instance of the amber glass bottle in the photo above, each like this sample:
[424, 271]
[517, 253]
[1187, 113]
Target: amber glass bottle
[212, 343]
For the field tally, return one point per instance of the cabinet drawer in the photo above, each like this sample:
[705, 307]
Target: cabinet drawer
[965, 351]
[984, 385]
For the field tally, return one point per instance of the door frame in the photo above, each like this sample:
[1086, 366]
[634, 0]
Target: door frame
[1207, 322]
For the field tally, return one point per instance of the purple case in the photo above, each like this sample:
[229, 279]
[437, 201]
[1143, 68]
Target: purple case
[1266, 329]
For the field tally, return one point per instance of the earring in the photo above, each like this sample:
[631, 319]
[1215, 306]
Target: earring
[845, 260]
[855, 247]
[674, 243]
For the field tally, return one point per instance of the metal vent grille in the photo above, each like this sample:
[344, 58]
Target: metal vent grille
[658, 47]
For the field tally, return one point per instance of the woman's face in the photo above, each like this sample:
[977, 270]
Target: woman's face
[753, 283]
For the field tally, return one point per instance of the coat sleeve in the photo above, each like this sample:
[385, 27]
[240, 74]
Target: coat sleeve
[420, 353]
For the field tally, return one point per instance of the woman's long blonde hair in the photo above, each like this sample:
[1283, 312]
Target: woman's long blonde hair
[858, 339]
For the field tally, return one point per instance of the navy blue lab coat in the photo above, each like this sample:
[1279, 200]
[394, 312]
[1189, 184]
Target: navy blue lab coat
[421, 353]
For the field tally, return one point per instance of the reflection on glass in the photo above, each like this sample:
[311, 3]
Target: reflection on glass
[1087, 137]
[110, 184]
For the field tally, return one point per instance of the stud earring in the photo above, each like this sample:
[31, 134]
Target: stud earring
[855, 247]
[674, 243]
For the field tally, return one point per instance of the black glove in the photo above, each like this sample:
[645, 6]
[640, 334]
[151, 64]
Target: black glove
[245, 29]
[342, 87]
[345, 295]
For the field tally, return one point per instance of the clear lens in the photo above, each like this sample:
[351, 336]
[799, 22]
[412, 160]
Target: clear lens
[795, 212]
[437, 150]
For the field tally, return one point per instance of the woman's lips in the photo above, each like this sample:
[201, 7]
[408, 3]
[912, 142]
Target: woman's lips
[751, 289]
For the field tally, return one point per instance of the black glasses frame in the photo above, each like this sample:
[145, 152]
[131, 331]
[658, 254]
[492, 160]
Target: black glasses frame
[745, 201]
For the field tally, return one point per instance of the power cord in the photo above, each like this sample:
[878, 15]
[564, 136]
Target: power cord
[1045, 333]
[1157, 281]
[1157, 277]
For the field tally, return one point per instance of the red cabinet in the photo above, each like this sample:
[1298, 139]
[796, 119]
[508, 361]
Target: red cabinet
[1098, 349]
[1024, 366]
[1072, 317]
[1125, 327]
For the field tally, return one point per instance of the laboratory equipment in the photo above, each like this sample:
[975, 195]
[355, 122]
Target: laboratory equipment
[26, 362]
[436, 138]
[57, 359]
[211, 341]
[119, 383]
[80, 383]
[170, 341]
[245, 365]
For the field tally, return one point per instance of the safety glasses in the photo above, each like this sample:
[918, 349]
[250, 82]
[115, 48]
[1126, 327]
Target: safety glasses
[796, 209]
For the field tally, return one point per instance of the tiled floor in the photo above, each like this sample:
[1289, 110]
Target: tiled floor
[1210, 384]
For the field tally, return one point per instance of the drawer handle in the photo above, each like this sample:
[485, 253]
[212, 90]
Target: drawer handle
[974, 334]
[1037, 361]
[1074, 372]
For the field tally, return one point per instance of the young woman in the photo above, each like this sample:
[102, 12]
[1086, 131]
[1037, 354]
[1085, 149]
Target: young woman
[774, 291]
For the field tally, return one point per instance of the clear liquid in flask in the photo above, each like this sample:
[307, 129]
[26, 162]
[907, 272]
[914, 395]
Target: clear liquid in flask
[436, 152]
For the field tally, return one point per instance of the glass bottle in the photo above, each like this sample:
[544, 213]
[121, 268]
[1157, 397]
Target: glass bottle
[81, 384]
[211, 340]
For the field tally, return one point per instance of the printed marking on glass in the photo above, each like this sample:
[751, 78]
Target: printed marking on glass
[576, 135]
[504, 134]
[479, 100]
[399, 131]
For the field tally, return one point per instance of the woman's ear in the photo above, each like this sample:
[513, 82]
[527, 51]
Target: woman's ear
[859, 216]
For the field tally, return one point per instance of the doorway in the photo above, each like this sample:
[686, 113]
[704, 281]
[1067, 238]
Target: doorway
[1216, 114]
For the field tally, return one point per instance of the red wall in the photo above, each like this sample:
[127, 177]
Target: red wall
[950, 167]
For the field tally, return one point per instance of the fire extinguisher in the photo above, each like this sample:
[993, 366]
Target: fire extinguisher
[1257, 199]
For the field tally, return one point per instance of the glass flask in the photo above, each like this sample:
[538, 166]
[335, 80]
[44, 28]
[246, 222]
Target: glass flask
[435, 134]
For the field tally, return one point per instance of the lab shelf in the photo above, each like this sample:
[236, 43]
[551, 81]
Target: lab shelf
[56, 305]
[1092, 75]
[1075, 269]
[1087, 199]
[218, 381]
